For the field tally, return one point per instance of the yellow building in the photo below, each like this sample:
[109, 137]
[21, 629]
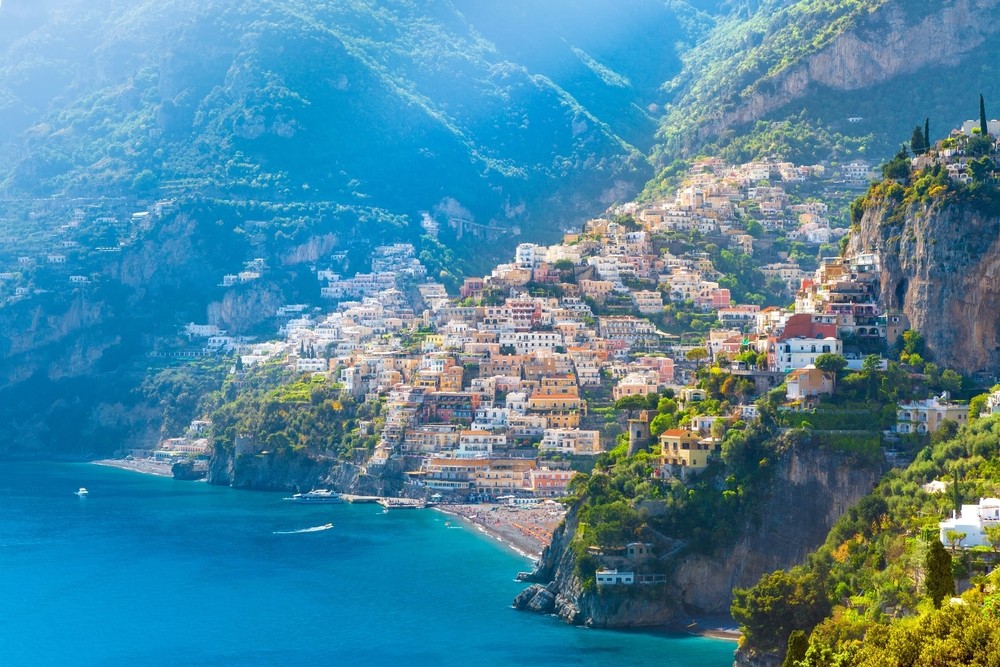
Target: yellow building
[686, 449]
[503, 476]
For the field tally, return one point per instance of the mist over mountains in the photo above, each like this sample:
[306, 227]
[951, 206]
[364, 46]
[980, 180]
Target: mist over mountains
[505, 110]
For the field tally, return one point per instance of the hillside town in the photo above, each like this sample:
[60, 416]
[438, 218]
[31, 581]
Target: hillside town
[503, 390]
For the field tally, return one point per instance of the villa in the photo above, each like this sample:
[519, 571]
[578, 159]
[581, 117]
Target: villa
[972, 522]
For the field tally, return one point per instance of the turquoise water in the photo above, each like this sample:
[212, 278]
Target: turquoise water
[150, 571]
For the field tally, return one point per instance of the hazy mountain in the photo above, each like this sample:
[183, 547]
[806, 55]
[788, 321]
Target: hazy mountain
[513, 109]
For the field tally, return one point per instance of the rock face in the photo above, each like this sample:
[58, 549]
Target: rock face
[301, 472]
[888, 43]
[941, 267]
[811, 490]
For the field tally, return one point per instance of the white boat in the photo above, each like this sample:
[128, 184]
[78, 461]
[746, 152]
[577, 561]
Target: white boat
[82, 492]
[317, 496]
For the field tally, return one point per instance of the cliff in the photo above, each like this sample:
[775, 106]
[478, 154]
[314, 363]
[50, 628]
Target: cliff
[891, 41]
[301, 471]
[940, 265]
[811, 488]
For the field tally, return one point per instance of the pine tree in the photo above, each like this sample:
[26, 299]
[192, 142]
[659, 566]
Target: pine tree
[927, 133]
[937, 573]
[983, 126]
[917, 142]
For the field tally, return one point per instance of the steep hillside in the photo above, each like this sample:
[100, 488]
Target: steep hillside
[866, 597]
[883, 64]
[940, 252]
[285, 131]
[706, 541]
[518, 113]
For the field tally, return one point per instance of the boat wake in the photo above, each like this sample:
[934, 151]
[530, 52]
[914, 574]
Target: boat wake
[314, 529]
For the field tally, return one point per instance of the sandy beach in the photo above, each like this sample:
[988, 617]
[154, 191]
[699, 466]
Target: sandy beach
[716, 627]
[145, 466]
[526, 530]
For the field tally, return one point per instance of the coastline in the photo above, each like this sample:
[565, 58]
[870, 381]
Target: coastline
[143, 466]
[713, 627]
[527, 531]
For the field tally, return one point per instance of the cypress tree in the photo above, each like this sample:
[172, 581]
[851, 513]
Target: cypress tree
[983, 126]
[956, 491]
[937, 573]
[927, 133]
[798, 644]
[917, 141]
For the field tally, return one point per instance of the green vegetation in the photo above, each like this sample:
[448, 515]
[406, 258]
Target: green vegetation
[292, 415]
[882, 570]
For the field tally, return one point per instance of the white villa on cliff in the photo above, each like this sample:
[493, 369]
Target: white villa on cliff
[972, 521]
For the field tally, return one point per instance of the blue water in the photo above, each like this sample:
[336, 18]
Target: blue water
[150, 571]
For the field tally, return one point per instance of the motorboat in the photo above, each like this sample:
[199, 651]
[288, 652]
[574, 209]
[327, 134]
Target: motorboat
[317, 496]
[82, 492]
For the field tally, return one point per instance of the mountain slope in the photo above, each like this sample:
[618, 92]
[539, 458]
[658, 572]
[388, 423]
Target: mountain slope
[395, 106]
[883, 64]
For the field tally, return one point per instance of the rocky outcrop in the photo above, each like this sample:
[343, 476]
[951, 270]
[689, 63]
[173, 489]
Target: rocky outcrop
[246, 306]
[811, 489]
[886, 44]
[301, 471]
[941, 267]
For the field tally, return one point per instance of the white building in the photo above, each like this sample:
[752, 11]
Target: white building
[478, 444]
[530, 341]
[528, 255]
[794, 353]
[571, 441]
[972, 521]
[607, 577]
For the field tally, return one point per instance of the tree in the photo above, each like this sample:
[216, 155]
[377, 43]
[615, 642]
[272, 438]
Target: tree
[778, 604]
[661, 423]
[798, 643]
[955, 539]
[145, 180]
[978, 146]
[937, 573]
[927, 132]
[993, 537]
[898, 168]
[983, 125]
[697, 355]
[917, 144]
[833, 363]
[632, 403]
[872, 375]
[913, 342]
[977, 406]
[980, 169]
[951, 381]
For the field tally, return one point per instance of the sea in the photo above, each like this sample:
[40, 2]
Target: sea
[153, 571]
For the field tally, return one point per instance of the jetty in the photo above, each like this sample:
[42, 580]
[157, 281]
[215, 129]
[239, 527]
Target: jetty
[351, 498]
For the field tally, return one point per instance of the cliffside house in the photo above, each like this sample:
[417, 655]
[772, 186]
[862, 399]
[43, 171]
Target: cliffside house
[686, 449]
[926, 416]
[607, 577]
[809, 382]
[972, 521]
